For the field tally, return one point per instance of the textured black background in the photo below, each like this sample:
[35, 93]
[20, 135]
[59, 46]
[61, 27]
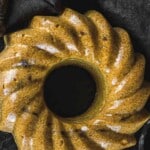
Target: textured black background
[133, 15]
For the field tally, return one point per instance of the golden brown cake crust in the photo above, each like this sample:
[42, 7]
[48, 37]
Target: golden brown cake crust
[84, 40]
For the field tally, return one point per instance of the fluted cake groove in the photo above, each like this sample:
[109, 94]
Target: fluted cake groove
[84, 40]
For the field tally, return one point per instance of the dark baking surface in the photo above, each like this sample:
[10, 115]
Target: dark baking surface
[3, 8]
[132, 15]
[7, 142]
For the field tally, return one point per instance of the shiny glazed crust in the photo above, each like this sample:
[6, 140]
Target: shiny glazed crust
[88, 41]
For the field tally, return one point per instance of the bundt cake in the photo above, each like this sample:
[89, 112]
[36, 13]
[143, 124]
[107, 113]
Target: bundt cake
[87, 41]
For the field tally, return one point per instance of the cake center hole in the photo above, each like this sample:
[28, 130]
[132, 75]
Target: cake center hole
[69, 91]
